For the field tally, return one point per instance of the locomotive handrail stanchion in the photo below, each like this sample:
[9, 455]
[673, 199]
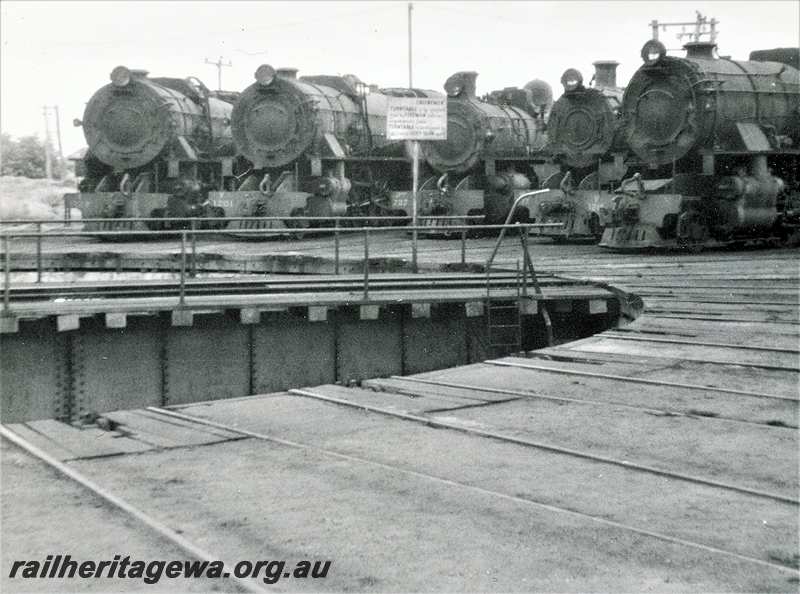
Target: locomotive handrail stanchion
[463, 247]
[193, 271]
[336, 248]
[366, 263]
[38, 252]
[183, 269]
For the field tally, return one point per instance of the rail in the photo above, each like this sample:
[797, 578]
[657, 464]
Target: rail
[188, 255]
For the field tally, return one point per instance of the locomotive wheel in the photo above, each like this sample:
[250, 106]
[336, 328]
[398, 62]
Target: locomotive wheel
[156, 213]
[594, 226]
[692, 232]
[293, 223]
[215, 212]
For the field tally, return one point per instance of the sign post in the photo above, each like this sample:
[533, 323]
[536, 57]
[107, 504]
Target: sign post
[415, 119]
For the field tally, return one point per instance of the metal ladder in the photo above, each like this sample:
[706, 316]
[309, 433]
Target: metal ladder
[503, 317]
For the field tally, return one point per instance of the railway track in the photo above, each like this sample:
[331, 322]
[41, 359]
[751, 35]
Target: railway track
[526, 501]
[162, 530]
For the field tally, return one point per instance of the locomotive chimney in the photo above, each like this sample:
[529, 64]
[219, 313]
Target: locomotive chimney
[461, 83]
[605, 73]
[703, 50]
[290, 73]
[470, 83]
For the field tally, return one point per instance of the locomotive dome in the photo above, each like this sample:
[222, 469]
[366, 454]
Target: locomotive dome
[272, 121]
[123, 123]
[541, 95]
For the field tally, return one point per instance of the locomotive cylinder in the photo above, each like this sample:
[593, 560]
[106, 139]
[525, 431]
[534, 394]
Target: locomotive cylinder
[749, 200]
[133, 120]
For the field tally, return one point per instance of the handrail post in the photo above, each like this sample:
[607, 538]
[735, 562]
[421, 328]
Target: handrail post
[38, 252]
[366, 263]
[414, 198]
[183, 269]
[193, 272]
[336, 248]
[525, 258]
[6, 275]
[414, 267]
[463, 247]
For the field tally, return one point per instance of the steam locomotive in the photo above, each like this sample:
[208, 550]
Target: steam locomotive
[584, 139]
[316, 147]
[492, 153]
[156, 146]
[720, 145]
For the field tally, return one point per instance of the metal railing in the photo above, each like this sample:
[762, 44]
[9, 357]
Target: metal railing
[527, 265]
[188, 256]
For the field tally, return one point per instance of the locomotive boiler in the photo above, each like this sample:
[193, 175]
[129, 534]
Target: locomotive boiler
[492, 153]
[317, 147]
[584, 139]
[155, 148]
[719, 142]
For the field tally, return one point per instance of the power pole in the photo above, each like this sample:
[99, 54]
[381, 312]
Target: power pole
[48, 165]
[410, 82]
[219, 64]
[58, 134]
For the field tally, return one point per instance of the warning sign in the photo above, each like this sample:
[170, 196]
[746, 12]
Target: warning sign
[416, 118]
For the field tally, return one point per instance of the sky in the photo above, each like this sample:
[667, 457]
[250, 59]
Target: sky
[60, 53]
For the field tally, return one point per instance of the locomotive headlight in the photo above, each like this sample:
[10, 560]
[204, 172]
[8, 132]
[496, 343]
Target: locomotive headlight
[120, 76]
[571, 79]
[265, 74]
[653, 51]
[453, 90]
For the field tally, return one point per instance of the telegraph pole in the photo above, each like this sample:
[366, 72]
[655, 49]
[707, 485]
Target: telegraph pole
[48, 141]
[410, 8]
[48, 164]
[219, 64]
[414, 163]
[58, 134]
